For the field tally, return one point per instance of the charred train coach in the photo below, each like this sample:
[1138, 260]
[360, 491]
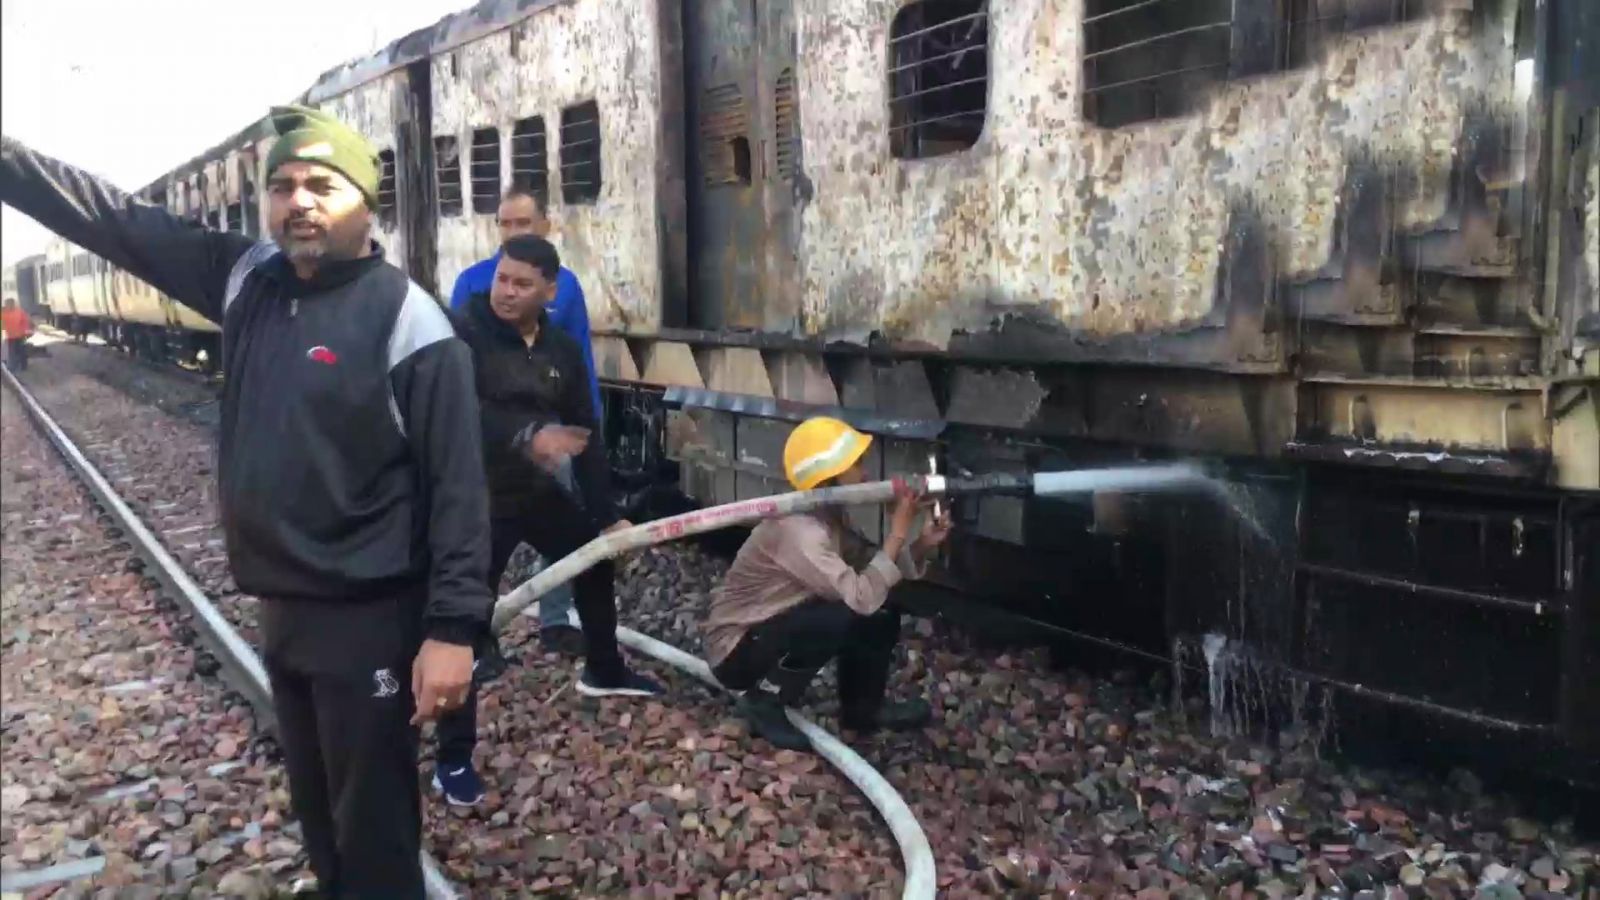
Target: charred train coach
[1344, 249]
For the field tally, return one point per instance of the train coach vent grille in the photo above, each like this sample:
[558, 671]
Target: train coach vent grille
[530, 160]
[724, 133]
[580, 153]
[447, 169]
[485, 170]
[787, 128]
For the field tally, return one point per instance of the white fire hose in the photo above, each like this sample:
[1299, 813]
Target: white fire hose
[920, 882]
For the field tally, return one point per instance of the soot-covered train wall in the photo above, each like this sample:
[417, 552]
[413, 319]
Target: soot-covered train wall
[1109, 231]
[571, 82]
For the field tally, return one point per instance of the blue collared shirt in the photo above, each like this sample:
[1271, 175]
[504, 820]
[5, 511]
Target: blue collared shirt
[567, 311]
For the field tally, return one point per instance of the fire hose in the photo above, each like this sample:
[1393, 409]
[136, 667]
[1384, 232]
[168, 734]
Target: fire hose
[920, 880]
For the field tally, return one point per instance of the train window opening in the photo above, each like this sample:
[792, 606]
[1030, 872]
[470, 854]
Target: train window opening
[386, 189]
[580, 153]
[1308, 24]
[786, 133]
[236, 217]
[724, 133]
[530, 160]
[938, 77]
[252, 209]
[1153, 59]
[485, 170]
[447, 167]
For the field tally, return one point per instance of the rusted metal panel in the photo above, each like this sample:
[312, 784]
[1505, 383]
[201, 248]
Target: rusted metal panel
[1109, 232]
[566, 54]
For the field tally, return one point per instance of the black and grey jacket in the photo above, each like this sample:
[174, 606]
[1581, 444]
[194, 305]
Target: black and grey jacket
[350, 461]
[520, 389]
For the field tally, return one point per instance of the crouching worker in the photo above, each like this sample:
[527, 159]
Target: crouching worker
[792, 600]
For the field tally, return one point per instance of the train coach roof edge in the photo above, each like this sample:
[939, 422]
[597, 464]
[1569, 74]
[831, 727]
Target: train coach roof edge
[452, 31]
[255, 131]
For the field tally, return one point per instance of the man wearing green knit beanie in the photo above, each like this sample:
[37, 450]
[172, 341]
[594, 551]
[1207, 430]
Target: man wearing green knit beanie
[351, 485]
[331, 219]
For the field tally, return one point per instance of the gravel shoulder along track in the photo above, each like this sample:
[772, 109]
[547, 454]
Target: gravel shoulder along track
[120, 757]
[1033, 782]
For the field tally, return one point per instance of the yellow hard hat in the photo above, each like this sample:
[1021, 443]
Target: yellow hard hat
[820, 448]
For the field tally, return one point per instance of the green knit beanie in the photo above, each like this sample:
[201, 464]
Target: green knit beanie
[311, 135]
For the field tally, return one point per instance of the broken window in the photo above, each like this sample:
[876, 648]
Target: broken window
[580, 153]
[786, 134]
[530, 161]
[1149, 59]
[447, 169]
[723, 131]
[386, 188]
[485, 170]
[938, 77]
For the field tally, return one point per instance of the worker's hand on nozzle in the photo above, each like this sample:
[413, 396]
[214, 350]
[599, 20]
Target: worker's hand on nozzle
[553, 445]
[934, 533]
[907, 503]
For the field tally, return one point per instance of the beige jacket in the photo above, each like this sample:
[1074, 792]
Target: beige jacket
[793, 559]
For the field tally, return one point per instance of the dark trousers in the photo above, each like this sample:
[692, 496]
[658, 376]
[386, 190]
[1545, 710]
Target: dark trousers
[556, 528]
[341, 686]
[791, 647]
[17, 354]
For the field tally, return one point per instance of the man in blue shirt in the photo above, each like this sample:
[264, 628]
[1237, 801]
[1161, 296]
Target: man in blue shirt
[524, 212]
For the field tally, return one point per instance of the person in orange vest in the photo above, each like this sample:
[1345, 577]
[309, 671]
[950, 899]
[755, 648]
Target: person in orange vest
[17, 326]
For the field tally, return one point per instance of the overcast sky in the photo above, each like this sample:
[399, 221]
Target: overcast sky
[130, 88]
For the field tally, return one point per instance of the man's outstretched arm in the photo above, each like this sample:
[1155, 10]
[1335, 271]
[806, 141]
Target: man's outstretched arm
[181, 258]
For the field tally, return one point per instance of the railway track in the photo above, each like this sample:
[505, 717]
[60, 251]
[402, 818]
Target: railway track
[158, 473]
[1034, 783]
[240, 666]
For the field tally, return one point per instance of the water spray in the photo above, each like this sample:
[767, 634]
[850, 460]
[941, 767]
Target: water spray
[744, 512]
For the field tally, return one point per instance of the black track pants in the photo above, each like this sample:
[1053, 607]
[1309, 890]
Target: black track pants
[341, 686]
[801, 640]
[556, 530]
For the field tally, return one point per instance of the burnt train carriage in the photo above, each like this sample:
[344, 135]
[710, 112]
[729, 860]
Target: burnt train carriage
[1344, 248]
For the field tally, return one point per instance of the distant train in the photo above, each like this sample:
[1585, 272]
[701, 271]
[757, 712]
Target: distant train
[24, 281]
[1346, 249]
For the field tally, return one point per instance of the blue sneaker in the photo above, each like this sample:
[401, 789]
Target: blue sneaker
[631, 684]
[460, 785]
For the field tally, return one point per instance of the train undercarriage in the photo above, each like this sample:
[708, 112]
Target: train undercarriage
[198, 351]
[1402, 612]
